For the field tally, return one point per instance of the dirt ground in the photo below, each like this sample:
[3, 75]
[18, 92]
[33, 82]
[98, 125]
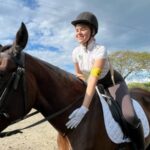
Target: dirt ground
[41, 137]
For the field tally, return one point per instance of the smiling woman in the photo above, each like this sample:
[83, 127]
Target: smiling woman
[92, 65]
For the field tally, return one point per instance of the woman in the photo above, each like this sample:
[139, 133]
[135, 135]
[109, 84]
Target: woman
[92, 65]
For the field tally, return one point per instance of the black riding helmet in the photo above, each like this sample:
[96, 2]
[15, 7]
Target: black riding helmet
[87, 18]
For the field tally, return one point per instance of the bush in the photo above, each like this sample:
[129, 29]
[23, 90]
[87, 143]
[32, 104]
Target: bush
[140, 85]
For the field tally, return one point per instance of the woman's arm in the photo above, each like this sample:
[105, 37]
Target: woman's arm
[92, 81]
[77, 115]
[78, 72]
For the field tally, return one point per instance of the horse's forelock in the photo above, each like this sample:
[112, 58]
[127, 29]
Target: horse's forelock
[4, 48]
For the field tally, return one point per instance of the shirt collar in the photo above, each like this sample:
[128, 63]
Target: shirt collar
[90, 45]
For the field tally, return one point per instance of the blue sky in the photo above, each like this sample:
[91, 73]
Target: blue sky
[123, 25]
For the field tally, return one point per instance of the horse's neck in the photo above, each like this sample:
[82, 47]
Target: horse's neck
[55, 88]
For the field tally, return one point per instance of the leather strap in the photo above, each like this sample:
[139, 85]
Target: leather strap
[111, 72]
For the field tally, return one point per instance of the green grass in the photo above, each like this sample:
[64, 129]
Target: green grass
[140, 85]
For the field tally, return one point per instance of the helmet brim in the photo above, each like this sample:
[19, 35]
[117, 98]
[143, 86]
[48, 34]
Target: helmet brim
[75, 22]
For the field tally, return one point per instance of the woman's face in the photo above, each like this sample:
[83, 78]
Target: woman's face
[82, 33]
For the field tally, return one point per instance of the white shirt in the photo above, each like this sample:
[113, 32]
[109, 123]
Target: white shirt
[86, 57]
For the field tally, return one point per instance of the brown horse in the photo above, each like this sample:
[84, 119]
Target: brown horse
[27, 82]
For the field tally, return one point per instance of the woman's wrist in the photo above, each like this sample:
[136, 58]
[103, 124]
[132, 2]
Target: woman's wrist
[84, 108]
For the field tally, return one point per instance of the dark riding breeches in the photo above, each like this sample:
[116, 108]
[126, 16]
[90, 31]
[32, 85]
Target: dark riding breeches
[120, 93]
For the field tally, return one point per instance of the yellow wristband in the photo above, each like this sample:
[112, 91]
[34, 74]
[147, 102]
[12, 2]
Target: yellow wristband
[96, 72]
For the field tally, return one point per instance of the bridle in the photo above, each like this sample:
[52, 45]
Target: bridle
[12, 84]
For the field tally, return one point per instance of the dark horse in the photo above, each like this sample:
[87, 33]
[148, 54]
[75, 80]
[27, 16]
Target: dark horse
[27, 82]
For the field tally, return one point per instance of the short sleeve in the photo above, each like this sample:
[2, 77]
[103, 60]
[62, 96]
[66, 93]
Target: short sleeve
[74, 55]
[100, 52]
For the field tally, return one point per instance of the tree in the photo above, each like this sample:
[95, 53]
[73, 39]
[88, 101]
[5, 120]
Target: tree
[128, 62]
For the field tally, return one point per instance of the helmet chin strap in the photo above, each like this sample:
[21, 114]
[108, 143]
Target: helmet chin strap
[91, 36]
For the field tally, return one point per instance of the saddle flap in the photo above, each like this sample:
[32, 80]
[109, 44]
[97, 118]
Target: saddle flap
[113, 128]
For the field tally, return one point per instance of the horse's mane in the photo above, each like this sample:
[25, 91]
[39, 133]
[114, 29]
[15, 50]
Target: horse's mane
[60, 72]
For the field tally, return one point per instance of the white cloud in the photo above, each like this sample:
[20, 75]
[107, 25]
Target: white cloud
[12, 13]
[122, 26]
[60, 60]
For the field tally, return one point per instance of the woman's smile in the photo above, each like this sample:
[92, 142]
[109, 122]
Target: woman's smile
[83, 33]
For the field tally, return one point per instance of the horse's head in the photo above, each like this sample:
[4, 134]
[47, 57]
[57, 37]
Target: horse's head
[11, 78]
[9, 54]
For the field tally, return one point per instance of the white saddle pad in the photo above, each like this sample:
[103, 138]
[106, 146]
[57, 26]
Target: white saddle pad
[112, 127]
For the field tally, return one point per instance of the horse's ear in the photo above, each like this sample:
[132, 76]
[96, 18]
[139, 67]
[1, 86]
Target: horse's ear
[0, 47]
[21, 38]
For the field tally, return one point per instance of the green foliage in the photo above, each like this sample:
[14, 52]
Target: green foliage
[127, 62]
[140, 85]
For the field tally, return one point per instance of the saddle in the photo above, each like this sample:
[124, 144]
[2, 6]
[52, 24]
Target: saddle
[116, 126]
[115, 109]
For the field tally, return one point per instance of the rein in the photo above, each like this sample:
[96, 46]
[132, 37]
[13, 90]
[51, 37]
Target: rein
[14, 82]
[9, 133]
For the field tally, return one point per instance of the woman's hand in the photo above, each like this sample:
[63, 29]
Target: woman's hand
[76, 117]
